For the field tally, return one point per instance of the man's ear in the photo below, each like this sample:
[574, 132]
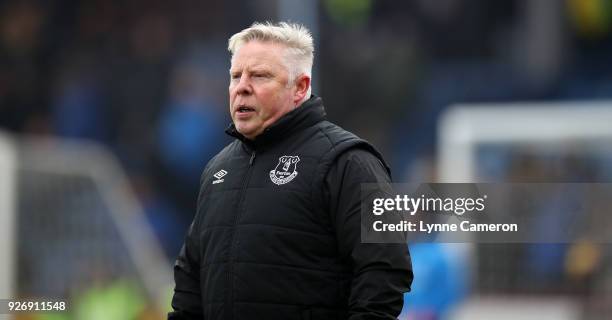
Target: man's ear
[302, 84]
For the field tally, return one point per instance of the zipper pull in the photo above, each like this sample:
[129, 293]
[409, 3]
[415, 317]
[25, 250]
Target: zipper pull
[252, 158]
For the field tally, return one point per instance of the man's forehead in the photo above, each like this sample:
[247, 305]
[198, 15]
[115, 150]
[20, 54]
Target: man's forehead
[257, 53]
[250, 64]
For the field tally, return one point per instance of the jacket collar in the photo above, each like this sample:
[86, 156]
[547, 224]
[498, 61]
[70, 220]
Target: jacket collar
[300, 118]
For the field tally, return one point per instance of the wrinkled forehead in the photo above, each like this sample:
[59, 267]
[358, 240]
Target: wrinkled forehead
[256, 52]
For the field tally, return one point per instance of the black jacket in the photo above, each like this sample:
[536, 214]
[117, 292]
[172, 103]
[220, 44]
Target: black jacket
[277, 230]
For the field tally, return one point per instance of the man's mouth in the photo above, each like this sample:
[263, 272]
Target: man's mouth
[244, 109]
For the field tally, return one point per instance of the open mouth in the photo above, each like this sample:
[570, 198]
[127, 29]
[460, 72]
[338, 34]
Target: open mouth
[244, 109]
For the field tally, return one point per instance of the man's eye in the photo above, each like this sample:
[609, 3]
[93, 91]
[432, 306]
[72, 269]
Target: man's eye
[235, 76]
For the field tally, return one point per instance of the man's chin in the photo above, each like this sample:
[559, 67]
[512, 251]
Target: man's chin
[247, 132]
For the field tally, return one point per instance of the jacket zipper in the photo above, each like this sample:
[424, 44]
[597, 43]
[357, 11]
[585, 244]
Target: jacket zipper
[230, 310]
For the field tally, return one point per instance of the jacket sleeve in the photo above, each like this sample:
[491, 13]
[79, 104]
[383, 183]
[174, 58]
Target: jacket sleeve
[186, 301]
[381, 272]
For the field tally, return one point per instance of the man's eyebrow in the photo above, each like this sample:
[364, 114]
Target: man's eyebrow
[259, 69]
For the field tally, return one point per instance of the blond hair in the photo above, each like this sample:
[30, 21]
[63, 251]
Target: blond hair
[299, 53]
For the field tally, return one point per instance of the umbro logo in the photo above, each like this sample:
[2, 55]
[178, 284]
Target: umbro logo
[219, 175]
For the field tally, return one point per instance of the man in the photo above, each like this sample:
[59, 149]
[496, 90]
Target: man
[277, 229]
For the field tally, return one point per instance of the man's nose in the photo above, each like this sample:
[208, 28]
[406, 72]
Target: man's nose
[244, 86]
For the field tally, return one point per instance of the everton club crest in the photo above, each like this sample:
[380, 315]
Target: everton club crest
[285, 170]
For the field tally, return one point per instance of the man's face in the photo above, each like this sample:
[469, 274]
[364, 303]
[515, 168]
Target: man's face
[259, 93]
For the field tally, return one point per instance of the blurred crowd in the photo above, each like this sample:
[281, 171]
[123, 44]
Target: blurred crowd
[148, 79]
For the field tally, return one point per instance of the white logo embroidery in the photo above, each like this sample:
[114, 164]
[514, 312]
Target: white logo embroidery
[285, 170]
[219, 175]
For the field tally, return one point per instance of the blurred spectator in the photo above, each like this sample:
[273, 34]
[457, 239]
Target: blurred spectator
[22, 58]
[190, 129]
[118, 300]
[162, 214]
[79, 109]
[440, 282]
[191, 126]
